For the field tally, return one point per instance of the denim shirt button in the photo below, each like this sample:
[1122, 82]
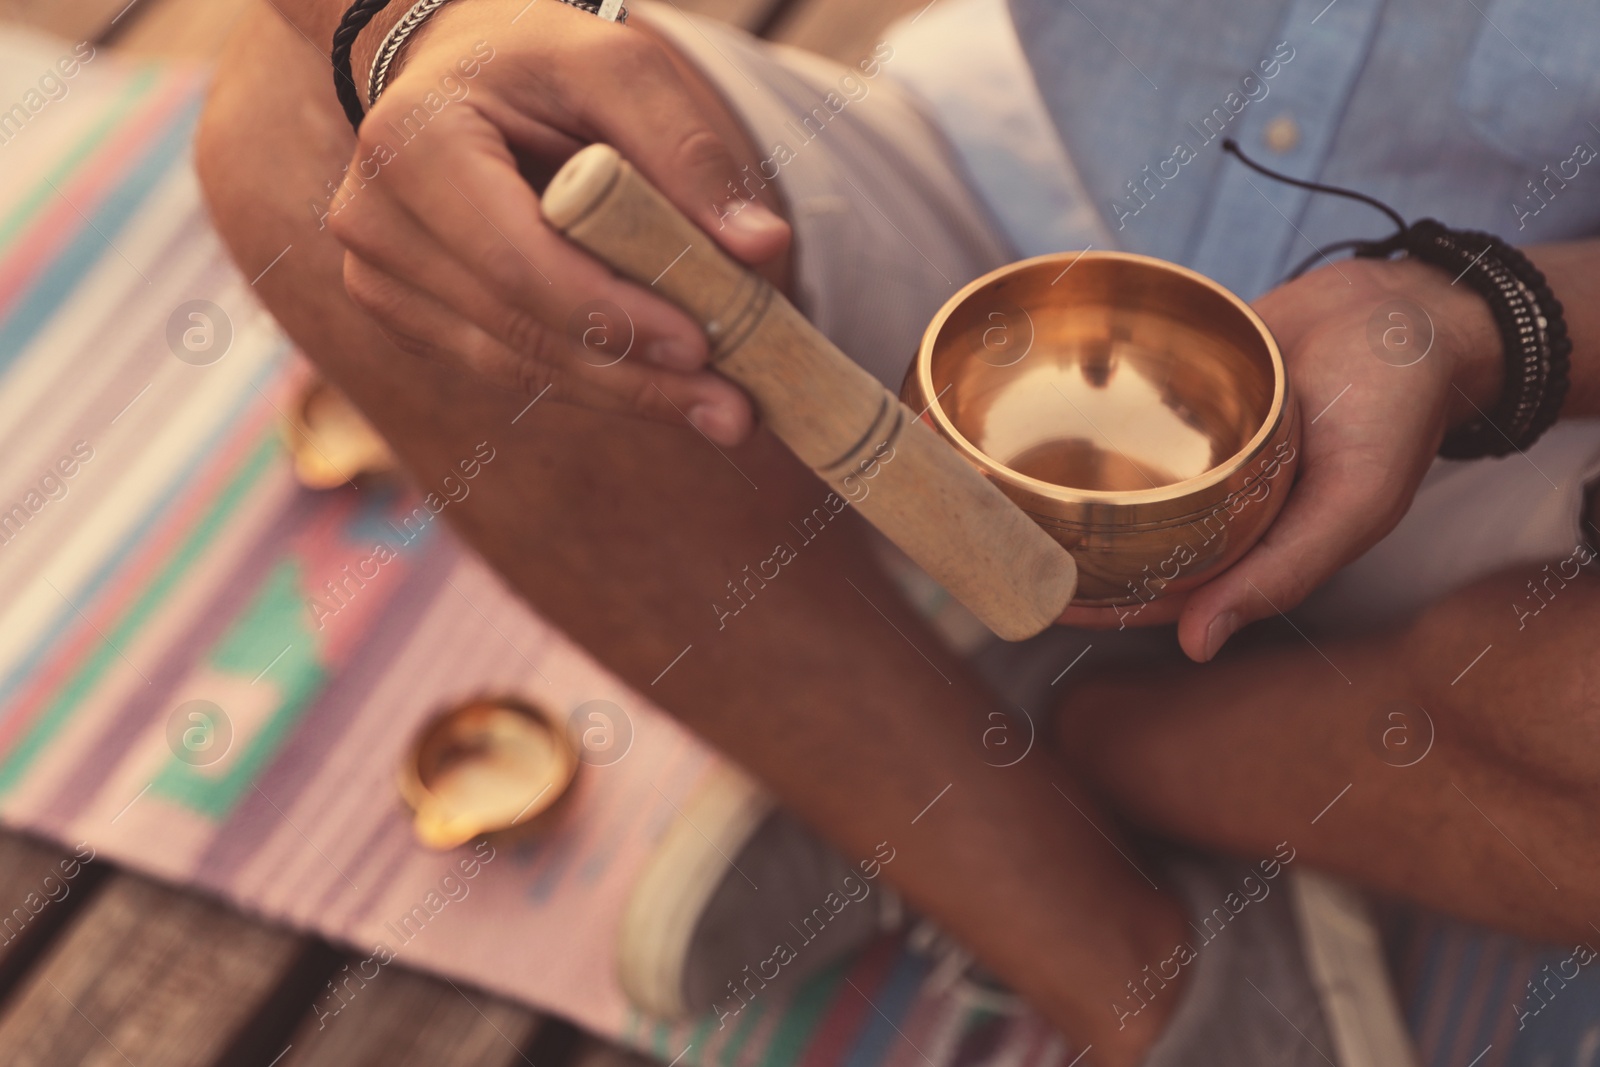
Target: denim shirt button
[1281, 134]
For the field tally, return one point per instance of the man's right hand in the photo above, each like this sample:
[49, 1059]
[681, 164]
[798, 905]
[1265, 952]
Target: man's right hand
[446, 246]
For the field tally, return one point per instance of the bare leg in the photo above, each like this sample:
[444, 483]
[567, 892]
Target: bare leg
[622, 533]
[1495, 823]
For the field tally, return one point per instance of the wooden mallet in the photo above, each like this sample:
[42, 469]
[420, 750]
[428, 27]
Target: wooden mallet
[836, 417]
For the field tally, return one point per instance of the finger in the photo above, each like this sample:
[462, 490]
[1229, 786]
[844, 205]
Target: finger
[474, 206]
[1325, 523]
[517, 280]
[394, 240]
[662, 132]
[425, 326]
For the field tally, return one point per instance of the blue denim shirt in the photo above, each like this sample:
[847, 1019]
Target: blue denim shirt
[1484, 114]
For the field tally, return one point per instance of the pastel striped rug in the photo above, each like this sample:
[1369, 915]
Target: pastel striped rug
[154, 551]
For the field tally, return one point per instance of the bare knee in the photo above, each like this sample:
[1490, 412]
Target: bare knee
[1513, 669]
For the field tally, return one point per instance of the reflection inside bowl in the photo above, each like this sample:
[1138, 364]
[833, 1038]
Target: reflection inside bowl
[1092, 425]
[1101, 385]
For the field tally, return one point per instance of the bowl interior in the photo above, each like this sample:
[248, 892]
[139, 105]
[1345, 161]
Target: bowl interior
[491, 760]
[1120, 374]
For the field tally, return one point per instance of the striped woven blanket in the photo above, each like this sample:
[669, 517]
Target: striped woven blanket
[155, 551]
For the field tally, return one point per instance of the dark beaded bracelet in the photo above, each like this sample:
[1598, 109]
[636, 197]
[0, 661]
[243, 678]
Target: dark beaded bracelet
[1533, 330]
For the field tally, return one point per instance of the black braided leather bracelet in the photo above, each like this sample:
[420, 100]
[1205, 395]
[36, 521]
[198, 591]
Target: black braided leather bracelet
[1533, 330]
[344, 38]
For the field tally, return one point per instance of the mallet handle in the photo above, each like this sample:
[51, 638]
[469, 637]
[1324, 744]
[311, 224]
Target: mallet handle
[835, 416]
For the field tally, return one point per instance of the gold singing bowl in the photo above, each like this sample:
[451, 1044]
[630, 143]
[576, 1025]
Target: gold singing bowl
[485, 766]
[1137, 411]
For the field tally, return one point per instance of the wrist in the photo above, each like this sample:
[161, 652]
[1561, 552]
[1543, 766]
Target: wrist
[364, 53]
[1465, 337]
[363, 22]
[373, 37]
[367, 43]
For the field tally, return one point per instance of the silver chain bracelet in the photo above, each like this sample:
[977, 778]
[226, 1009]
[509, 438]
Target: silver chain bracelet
[378, 77]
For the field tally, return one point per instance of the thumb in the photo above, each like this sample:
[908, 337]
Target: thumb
[722, 199]
[1318, 531]
[663, 132]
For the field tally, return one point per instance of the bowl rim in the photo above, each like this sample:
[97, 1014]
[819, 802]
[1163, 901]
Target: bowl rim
[1218, 474]
[416, 791]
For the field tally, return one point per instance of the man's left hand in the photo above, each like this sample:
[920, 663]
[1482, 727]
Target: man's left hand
[1374, 405]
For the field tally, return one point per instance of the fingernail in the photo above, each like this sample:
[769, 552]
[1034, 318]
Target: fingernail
[673, 353]
[1222, 627]
[714, 421]
[754, 219]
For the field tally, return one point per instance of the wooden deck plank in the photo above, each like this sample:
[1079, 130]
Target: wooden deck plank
[40, 887]
[404, 1019]
[30, 884]
[148, 976]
